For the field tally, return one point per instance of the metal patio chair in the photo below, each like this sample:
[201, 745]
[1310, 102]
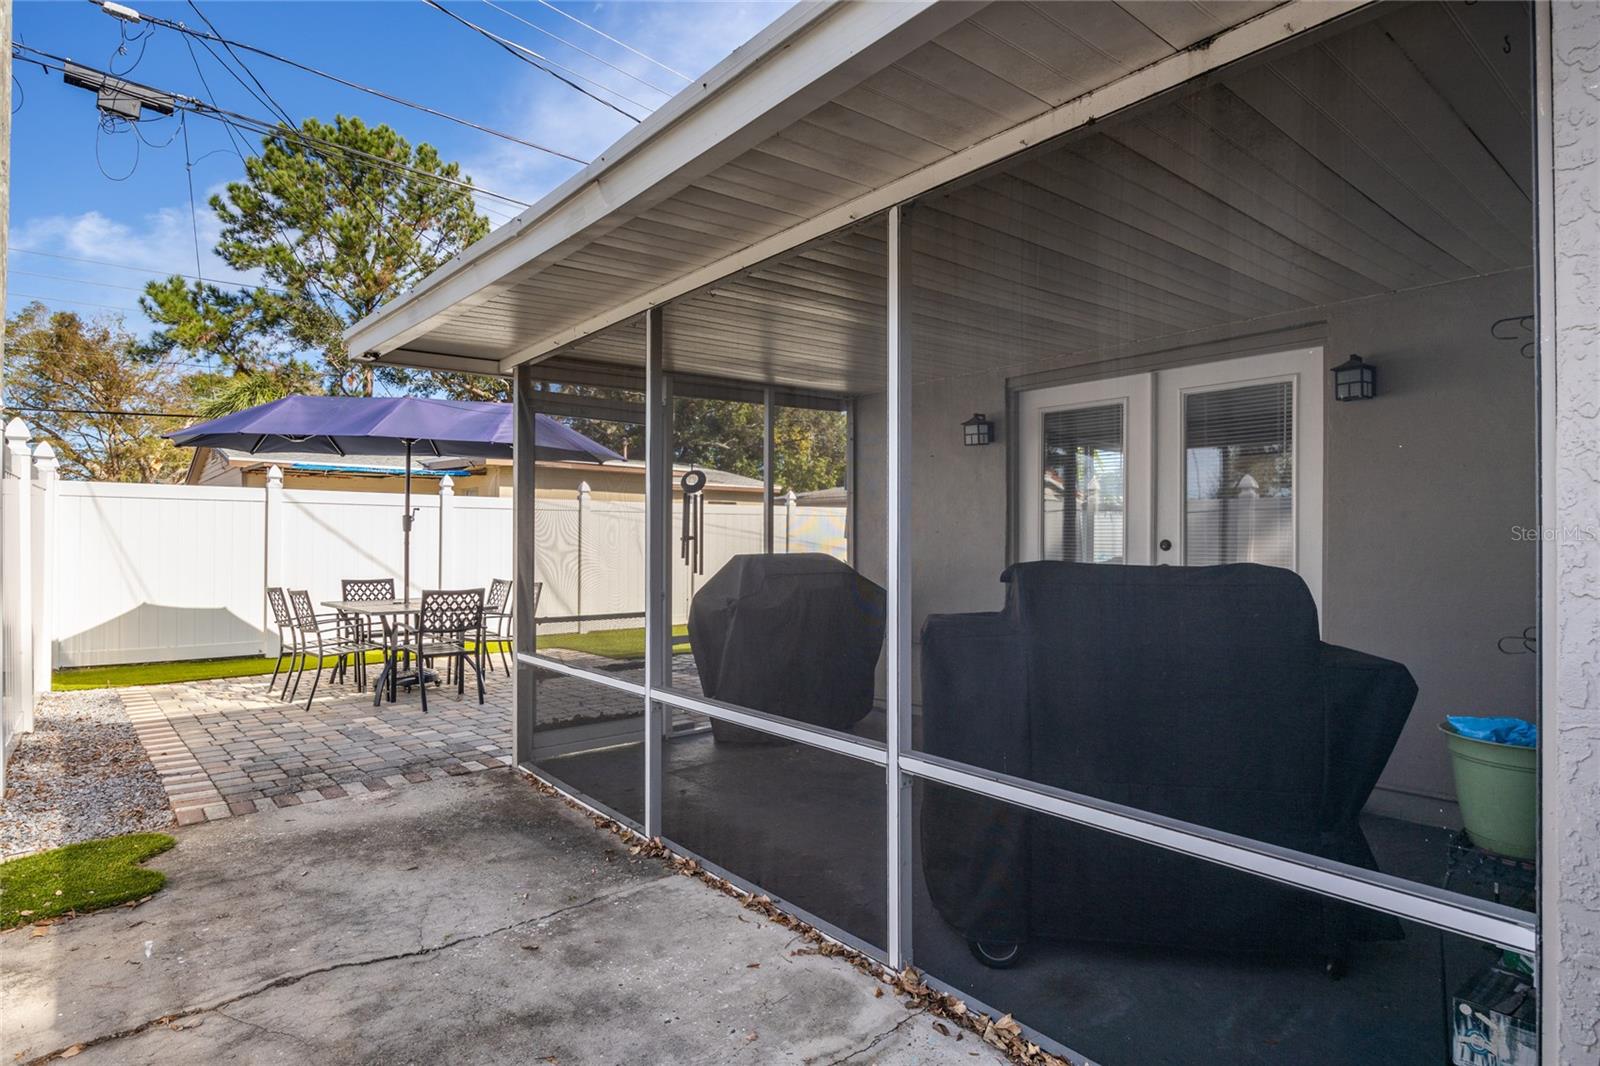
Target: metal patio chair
[319, 635]
[450, 625]
[288, 643]
[498, 619]
[369, 590]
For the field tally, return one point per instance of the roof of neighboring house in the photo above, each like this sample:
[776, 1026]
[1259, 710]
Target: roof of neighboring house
[722, 478]
[322, 462]
[838, 496]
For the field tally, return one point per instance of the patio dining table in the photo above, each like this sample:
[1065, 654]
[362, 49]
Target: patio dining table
[387, 613]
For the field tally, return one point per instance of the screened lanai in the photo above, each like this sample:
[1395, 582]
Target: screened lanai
[1115, 697]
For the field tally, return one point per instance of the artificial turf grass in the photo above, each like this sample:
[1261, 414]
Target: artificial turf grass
[123, 675]
[607, 643]
[80, 877]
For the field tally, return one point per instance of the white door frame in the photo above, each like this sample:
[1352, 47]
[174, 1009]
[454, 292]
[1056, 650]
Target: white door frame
[1153, 421]
[1133, 392]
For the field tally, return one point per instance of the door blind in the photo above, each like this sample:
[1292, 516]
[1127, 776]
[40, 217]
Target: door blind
[1239, 475]
[1085, 484]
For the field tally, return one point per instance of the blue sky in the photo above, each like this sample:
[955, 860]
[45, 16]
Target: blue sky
[83, 194]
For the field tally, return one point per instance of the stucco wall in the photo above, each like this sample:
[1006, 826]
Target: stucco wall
[1571, 780]
[1426, 488]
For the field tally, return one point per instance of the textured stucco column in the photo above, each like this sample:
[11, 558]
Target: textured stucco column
[1571, 733]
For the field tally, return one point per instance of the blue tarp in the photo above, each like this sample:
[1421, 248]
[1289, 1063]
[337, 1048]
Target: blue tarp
[1512, 731]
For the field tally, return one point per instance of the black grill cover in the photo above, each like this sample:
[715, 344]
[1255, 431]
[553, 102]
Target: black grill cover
[792, 635]
[1200, 693]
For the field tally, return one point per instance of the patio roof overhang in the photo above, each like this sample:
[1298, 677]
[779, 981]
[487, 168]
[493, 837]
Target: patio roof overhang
[833, 114]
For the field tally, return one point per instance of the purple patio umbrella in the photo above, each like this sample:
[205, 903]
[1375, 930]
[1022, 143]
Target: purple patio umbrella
[387, 425]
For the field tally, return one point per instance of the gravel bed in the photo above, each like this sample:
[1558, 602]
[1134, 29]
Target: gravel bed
[80, 775]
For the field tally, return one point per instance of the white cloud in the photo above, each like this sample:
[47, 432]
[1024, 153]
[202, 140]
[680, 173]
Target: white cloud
[155, 245]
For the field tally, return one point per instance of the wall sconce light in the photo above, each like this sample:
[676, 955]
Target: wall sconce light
[977, 430]
[1355, 380]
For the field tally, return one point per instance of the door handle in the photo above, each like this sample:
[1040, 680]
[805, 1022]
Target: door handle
[1165, 545]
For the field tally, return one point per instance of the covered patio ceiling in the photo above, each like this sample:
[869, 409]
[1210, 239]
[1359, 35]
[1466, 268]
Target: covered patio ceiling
[1359, 165]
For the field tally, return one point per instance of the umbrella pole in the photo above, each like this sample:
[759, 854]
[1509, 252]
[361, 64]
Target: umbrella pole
[405, 525]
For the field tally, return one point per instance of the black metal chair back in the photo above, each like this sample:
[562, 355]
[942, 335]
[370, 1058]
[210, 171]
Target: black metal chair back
[305, 615]
[499, 596]
[366, 590]
[451, 613]
[280, 609]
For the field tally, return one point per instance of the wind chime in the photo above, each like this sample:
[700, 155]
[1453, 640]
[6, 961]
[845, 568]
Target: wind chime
[692, 542]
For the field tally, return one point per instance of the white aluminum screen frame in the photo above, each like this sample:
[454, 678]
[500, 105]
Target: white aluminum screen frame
[1414, 901]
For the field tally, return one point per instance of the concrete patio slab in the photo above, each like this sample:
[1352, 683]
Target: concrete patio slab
[466, 920]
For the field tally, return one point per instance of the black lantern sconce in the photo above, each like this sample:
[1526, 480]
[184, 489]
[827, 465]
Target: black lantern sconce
[977, 430]
[1354, 379]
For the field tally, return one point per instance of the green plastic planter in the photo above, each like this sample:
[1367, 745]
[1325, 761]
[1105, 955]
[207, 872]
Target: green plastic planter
[1497, 787]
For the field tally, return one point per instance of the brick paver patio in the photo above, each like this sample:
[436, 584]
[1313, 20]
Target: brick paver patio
[231, 747]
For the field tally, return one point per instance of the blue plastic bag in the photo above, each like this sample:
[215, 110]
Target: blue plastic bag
[1496, 730]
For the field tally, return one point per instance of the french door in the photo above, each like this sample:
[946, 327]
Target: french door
[1205, 464]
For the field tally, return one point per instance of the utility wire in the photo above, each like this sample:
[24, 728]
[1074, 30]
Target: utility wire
[194, 215]
[201, 363]
[624, 71]
[94, 411]
[272, 128]
[278, 108]
[79, 281]
[62, 300]
[613, 40]
[534, 59]
[347, 83]
[143, 269]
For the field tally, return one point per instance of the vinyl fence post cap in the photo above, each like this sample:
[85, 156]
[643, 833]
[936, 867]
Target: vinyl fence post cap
[44, 456]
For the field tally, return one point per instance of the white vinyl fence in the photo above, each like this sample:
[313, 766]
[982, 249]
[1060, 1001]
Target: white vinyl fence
[146, 573]
[27, 498]
[102, 573]
[592, 553]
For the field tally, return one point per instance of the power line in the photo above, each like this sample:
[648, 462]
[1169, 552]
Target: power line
[347, 83]
[613, 40]
[142, 269]
[234, 141]
[534, 59]
[79, 281]
[625, 72]
[247, 123]
[194, 214]
[100, 411]
[212, 364]
[232, 121]
[63, 300]
[272, 101]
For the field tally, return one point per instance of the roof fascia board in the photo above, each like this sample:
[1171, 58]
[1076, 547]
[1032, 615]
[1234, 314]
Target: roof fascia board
[461, 364]
[795, 66]
[1271, 27]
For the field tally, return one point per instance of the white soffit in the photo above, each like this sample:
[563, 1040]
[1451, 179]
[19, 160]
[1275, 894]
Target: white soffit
[834, 113]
